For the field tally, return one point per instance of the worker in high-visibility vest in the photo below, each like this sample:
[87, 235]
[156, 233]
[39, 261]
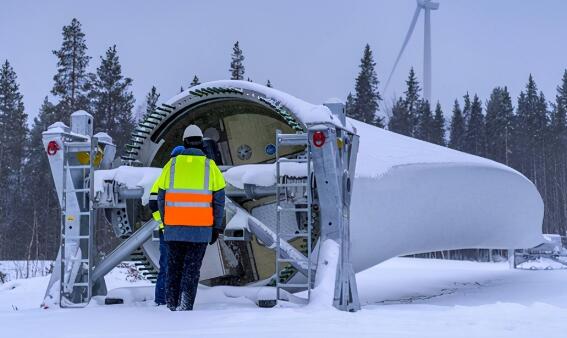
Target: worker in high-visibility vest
[191, 203]
[159, 298]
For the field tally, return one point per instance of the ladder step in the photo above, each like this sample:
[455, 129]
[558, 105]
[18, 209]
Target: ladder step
[282, 285]
[292, 160]
[82, 213]
[78, 190]
[75, 237]
[73, 167]
[80, 284]
[292, 209]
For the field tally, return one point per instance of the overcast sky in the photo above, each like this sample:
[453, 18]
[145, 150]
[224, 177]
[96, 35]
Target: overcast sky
[310, 49]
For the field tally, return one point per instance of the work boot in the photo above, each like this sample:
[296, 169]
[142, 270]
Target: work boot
[185, 304]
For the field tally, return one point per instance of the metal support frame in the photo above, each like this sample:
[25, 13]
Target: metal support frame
[329, 173]
[77, 223]
[282, 189]
[334, 163]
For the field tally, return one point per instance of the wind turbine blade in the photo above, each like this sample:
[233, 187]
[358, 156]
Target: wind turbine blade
[408, 36]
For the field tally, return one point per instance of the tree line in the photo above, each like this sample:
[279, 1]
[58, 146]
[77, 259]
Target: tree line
[29, 209]
[530, 136]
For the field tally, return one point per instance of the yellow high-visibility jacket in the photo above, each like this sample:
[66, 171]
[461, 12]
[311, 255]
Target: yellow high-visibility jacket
[191, 197]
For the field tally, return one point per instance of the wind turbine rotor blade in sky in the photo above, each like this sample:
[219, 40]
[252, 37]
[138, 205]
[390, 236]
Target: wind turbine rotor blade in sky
[408, 36]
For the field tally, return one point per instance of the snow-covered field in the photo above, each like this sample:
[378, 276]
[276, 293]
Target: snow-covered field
[402, 297]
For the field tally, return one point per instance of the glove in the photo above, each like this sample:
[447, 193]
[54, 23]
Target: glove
[215, 236]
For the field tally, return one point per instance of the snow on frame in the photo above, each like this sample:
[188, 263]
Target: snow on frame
[131, 177]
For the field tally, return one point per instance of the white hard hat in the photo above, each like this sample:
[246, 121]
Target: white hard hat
[192, 131]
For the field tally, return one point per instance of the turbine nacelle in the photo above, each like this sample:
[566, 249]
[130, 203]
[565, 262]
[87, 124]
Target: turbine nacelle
[427, 4]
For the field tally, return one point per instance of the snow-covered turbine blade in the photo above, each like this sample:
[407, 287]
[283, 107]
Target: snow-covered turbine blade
[406, 40]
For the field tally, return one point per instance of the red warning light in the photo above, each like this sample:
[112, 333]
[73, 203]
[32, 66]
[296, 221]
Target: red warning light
[52, 148]
[318, 139]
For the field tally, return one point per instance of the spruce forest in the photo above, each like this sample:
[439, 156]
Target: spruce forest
[527, 133]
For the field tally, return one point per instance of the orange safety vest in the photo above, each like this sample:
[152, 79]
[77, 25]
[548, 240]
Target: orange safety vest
[189, 207]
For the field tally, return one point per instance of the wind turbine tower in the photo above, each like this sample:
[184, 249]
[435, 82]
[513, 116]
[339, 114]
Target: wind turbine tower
[427, 6]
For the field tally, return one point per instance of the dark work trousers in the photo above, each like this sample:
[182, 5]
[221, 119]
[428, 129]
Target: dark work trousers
[160, 283]
[183, 271]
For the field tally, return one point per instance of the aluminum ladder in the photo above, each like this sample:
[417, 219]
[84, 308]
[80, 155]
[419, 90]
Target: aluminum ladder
[77, 223]
[282, 189]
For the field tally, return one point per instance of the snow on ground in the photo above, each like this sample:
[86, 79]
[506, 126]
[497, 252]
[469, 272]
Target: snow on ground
[544, 263]
[23, 269]
[402, 297]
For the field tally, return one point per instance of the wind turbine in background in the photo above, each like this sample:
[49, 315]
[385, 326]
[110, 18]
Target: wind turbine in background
[427, 6]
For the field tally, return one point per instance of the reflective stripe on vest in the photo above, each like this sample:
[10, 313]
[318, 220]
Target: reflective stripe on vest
[189, 207]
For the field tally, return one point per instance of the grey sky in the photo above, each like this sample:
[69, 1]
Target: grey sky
[310, 49]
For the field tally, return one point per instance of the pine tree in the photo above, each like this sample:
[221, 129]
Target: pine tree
[561, 97]
[425, 123]
[467, 107]
[13, 135]
[43, 206]
[113, 100]
[237, 63]
[349, 104]
[269, 84]
[438, 133]
[499, 115]
[556, 217]
[530, 130]
[367, 97]
[412, 99]
[558, 123]
[457, 135]
[475, 140]
[151, 101]
[195, 81]
[72, 82]
[13, 124]
[400, 122]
